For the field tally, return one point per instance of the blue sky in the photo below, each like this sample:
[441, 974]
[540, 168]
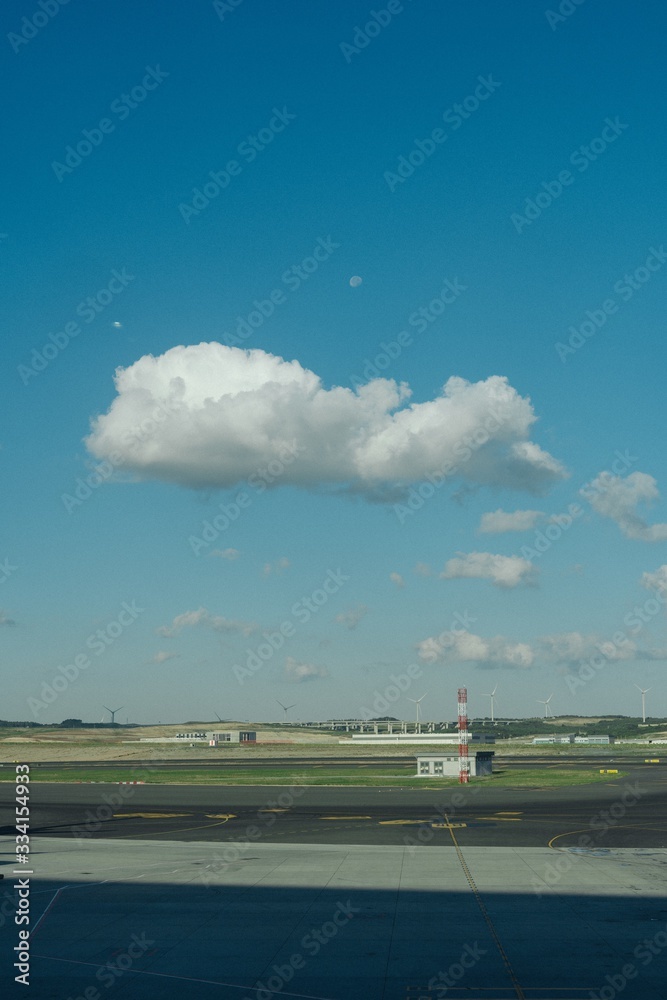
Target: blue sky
[495, 176]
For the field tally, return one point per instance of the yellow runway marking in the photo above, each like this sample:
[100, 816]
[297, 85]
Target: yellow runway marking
[449, 826]
[501, 819]
[404, 822]
[150, 815]
[185, 829]
[509, 812]
[625, 826]
[220, 815]
[344, 817]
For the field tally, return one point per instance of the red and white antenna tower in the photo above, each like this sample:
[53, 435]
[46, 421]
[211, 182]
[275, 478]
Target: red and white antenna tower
[464, 762]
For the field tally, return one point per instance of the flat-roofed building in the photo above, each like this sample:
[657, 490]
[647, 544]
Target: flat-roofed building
[560, 738]
[438, 765]
[233, 736]
[432, 739]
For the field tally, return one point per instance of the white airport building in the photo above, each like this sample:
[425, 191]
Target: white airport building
[571, 738]
[233, 736]
[435, 765]
[430, 739]
[204, 736]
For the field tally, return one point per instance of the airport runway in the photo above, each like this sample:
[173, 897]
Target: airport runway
[629, 812]
[404, 760]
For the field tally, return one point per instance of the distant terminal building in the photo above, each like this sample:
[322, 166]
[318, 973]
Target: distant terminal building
[432, 739]
[206, 736]
[571, 738]
[381, 726]
[435, 765]
[560, 738]
[233, 736]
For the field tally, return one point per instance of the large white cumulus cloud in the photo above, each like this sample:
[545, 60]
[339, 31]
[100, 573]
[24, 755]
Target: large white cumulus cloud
[207, 415]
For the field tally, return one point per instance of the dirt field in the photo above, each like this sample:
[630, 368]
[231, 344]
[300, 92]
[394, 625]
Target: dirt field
[61, 745]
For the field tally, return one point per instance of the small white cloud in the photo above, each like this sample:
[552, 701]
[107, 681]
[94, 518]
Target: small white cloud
[618, 499]
[203, 617]
[162, 657]
[657, 580]
[422, 569]
[276, 567]
[297, 673]
[567, 648]
[502, 571]
[501, 521]
[575, 647]
[464, 647]
[353, 616]
[397, 579]
[230, 554]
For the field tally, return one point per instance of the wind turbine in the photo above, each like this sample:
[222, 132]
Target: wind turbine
[285, 709]
[643, 691]
[547, 707]
[417, 702]
[492, 696]
[113, 711]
